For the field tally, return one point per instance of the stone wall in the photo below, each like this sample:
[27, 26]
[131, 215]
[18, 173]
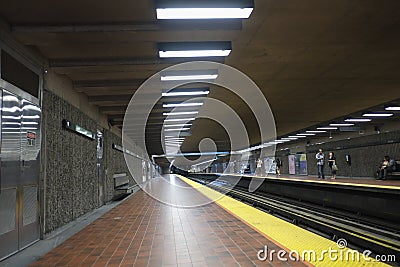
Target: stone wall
[366, 153]
[70, 178]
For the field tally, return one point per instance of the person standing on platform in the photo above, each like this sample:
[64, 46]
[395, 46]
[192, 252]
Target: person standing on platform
[278, 163]
[320, 163]
[332, 165]
[259, 167]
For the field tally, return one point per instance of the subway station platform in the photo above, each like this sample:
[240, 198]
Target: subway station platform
[143, 231]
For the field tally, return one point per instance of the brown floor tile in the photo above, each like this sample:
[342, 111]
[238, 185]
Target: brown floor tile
[153, 234]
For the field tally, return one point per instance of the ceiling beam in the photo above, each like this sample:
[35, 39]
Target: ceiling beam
[116, 61]
[113, 109]
[191, 25]
[107, 83]
[109, 98]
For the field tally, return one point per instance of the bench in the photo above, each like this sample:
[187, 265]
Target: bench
[121, 184]
[396, 173]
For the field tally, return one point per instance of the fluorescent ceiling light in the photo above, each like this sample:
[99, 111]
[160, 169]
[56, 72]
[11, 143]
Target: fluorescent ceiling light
[176, 130]
[297, 136]
[341, 124]
[308, 134]
[187, 78]
[315, 131]
[393, 108]
[327, 128]
[290, 138]
[377, 114]
[203, 13]
[182, 105]
[177, 125]
[195, 53]
[194, 49]
[357, 120]
[186, 93]
[180, 113]
[185, 119]
[187, 75]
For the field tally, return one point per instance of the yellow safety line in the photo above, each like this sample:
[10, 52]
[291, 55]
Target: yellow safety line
[315, 181]
[286, 235]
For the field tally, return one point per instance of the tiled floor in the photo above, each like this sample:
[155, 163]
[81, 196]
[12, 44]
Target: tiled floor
[144, 232]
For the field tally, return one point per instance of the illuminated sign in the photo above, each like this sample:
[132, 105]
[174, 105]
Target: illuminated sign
[78, 129]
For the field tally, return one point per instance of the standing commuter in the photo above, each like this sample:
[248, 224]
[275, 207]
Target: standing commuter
[259, 167]
[278, 163]
[320, 163]
[332, 165]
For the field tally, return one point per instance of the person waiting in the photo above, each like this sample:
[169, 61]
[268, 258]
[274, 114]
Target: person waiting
[387, 166]
[320, 163]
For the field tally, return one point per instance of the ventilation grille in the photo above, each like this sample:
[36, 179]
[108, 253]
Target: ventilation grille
[8, 198]
[30, 204]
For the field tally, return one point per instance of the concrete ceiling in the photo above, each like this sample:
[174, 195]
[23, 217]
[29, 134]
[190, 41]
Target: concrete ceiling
[314, 60]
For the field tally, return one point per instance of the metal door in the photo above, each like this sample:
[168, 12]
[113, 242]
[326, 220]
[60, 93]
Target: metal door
[20, 147]
[10, 173]
[30, 168]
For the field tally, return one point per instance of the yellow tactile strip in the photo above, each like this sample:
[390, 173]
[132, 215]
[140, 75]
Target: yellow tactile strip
[296, 240]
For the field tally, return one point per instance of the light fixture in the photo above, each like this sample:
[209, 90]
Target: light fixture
[188, 75]
[297, 136]
[377, 114]
[290, 138]
[185, 119]
[174, 105]
[180, 113]
[308, 134]
[357, 120]
[193, 93]
[327, 128]
[204, 9]
[177, 125]
[176, 130]
[319, 131]
[194, 49]
[341, 124]
[392, 108]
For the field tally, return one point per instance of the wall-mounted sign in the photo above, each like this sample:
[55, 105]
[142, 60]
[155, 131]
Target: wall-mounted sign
[126, 151]
[78, 129]
[31, 138]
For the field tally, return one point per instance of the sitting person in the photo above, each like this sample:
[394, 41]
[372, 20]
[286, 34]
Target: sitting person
[387, 166]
